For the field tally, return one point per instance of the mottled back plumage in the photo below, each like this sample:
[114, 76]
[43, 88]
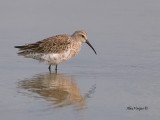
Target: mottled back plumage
[55, 44]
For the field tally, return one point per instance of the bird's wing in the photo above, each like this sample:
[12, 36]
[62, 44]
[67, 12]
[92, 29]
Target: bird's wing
[55, 44]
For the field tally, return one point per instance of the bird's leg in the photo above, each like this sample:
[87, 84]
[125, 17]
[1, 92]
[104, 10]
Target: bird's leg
[56, 68]
[49, 68]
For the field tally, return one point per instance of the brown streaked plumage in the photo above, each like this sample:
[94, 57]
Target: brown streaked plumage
[57, 49]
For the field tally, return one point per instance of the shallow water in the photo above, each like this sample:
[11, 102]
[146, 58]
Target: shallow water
[121, 82]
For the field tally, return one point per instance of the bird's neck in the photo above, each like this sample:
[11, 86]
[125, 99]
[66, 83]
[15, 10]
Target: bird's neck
[76, 46]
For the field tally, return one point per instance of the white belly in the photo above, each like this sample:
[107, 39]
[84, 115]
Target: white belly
[51, 58]
[54, 58]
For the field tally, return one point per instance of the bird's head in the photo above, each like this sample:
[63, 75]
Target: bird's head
[82, 37]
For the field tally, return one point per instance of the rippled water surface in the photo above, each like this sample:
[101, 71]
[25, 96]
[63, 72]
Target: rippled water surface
[121, 82]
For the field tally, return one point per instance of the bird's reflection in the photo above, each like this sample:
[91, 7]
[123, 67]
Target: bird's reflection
[60, 89]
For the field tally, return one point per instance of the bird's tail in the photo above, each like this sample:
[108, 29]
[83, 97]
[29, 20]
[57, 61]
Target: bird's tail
[23, 50]
[19, 46]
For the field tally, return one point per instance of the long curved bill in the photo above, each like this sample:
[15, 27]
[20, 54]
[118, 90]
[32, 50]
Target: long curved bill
[91, 46]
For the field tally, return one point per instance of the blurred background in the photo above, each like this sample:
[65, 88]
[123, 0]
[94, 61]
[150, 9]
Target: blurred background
[125, 73]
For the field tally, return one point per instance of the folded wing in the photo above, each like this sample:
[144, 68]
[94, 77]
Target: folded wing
[55, 44]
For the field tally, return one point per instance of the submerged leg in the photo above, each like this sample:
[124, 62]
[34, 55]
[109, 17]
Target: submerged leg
[49, 68]
[56, 68]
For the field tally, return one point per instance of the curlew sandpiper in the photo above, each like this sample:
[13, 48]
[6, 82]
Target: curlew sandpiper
[57, 49]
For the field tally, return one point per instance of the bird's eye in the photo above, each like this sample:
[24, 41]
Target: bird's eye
[83, 36]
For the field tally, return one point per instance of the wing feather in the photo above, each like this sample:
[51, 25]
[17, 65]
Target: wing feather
[55, 44]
